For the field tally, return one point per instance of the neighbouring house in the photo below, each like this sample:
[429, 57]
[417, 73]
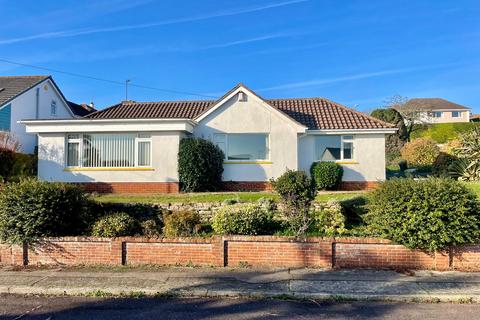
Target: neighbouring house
[133, 146]
[475, 118]
[437, 110]
[33, 97]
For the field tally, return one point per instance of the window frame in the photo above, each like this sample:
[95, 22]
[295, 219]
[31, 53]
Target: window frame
[53, 108]
[224, 137]
[458, 114]
[79, 141]
[437, 114]
[343, 140]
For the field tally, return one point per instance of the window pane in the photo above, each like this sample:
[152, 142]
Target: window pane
[144, 153]
[219, 140]
[247, 147]
[327, 148]
[347, 150]
[72, 154]
[108, 150]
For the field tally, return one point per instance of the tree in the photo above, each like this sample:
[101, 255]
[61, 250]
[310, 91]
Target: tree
[412, 113]
[8, 142]
[392, 116]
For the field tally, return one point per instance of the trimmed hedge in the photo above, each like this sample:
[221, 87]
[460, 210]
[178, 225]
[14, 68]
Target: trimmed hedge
[118, 224]
[181, 223]
[326, 175]
[32, 209]
[430, 214]
[200, 165]
[243, 219]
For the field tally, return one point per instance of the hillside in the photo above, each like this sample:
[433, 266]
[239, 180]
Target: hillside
[443, 132]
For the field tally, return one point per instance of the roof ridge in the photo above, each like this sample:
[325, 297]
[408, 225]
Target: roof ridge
[163, 101]
[35, 76]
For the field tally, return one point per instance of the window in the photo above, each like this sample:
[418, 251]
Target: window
[437, 114]
[109, 150]
[334, 148]
[53, 108]
[243, 146]
[455, 114]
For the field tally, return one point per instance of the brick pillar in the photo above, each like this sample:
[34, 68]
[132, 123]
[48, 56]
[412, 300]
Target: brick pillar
[218, 251]
[117, 251]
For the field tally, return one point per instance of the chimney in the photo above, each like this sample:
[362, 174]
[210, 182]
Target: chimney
[92, 105]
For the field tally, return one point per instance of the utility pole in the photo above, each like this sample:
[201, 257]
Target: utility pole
[126, 89]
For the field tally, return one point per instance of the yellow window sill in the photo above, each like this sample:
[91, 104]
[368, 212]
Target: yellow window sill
[248, 162]
[107, 169]
[347, 162]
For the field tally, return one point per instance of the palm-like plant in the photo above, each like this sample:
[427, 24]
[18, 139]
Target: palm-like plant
[467, 168]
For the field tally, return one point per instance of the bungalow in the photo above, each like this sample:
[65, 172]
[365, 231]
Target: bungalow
[133, 146]
[27, 97]
[437, 110]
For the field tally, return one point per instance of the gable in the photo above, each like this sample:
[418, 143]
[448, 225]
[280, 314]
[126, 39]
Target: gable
[5, 117]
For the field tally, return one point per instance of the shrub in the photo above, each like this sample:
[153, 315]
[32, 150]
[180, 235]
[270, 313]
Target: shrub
[328, 219]
[31, 209]
[443, 132]
[468, 167]
[200, 165]
[7, 160]
[151, 228]
[243, 219]
[326, 175]
[118, 224]
[429, 214]
[420, 152]
[181, 223]
[442, 166]
[296, 192]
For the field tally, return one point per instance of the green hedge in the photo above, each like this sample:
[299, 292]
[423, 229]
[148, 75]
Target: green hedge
[243, 219]
[200, 165]
[443, 132]
[429, 214]
[118, 224]
[326, 175]
[181, 223]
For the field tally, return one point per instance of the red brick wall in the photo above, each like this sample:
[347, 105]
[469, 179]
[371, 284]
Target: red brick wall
[358, 185]
[174, 251]
[389, 256]
[262, 251]
[76, 251]
[246, 186]
[131, 187]
[278, 252]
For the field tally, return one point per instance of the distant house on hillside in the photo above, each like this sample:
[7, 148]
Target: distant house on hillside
[33, 97]
[437, 110]
[475, 118]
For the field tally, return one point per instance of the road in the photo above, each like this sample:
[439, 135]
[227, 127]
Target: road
[56, 308]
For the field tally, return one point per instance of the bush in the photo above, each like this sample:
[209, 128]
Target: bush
[181, 223]
[442, 166]
[32, 209]
[326, 175]
[246, 219]
[468, 166]
[430, 214]
[7, 160]
[443, 132]
[200, 165]
[420, 152]
[296, 192]
[118, 224]
[328, 219]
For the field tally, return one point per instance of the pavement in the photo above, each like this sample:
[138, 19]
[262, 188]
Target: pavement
[318, 284]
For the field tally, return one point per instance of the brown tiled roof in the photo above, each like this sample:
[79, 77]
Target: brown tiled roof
[314, 113]
[435, 104]
[12, 86]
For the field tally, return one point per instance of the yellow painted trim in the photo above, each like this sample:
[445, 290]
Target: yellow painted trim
[248, 162]
[108, 169]
[346, 162]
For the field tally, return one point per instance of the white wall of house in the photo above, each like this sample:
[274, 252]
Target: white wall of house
[253, 116]
[368, 163]
[446, 116]
[24, 107]
[51, 162]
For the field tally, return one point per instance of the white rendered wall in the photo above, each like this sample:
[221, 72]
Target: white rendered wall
[369, 157]
[51, 162]
[24, 107]
[253, 116]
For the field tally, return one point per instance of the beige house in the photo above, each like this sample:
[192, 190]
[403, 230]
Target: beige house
[437, 110]
[133, 146]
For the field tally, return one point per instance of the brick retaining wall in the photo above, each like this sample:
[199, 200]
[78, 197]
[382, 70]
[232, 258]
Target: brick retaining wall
[234, 251]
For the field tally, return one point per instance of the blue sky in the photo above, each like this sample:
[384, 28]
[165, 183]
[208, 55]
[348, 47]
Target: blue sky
[357, 53]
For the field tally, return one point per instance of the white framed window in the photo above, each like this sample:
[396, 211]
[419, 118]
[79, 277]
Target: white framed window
[53, 108]
[455, 114]
[108, 150]
[437, 114]
[243, 146]
[334, 148]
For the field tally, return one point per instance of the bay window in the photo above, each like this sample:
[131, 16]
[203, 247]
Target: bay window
[108, 150]
[334, 148]
[243, 146]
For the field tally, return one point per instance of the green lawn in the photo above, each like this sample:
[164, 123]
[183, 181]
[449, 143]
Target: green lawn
[442, 132]
[210, 197]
